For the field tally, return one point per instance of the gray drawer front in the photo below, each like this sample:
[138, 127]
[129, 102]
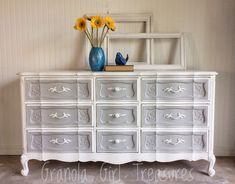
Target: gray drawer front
[62, 142]
[116, 89]
[174, 116]
[58, 116]
[58, 90]
[117, 142]
[173, 142]
[174, 90]
[117, 116]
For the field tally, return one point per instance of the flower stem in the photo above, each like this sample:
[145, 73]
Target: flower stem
[88, 33]
[88, 36]
[97, 36]
[101, 38]
[92, 33]
[104, 36]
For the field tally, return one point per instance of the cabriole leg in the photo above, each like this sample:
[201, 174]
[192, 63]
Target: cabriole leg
[24, 162]
[211, 170]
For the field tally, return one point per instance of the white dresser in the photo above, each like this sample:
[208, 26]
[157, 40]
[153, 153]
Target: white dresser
[118, 117]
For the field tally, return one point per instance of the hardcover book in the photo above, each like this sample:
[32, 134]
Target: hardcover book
[119, 68]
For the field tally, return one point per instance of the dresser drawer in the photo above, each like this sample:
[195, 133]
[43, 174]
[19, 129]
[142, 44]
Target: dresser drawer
[59, 142]
[58, 90]
[58, 116]
[117, 142]
[171, 142]
[117, 115]
[175, 90]
[174, 116]
[116, 89]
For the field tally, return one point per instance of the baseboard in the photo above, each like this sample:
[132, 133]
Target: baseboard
[11, 150]
[224, 151]
[17, 150]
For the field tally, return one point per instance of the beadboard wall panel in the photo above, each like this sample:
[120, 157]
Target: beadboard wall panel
[37, 35]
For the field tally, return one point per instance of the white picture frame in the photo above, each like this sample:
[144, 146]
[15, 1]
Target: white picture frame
[145, 18]
[149, 64]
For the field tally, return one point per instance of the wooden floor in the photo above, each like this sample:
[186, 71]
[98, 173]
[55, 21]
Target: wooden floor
[179, 172]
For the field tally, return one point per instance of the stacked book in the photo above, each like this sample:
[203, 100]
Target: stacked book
[119, 68]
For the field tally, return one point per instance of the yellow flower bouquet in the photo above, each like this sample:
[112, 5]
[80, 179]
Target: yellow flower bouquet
[96, 56]
[96, 22]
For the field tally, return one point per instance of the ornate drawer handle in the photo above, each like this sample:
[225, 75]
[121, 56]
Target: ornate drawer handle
[55, 115]
[117, 89]
[172, 90]
[54, 90]
[117, 141]
[170, 141]
[176, 117]
[56, 141]
[117, 115]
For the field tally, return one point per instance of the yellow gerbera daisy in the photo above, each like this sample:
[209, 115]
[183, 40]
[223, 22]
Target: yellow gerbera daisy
[109, 22]
[80, 24]
[97, 21]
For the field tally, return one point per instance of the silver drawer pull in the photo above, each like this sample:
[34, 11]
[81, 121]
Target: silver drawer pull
[117, 115]
[170, 141]
[54, 90]
[172, 90]
[117, 89]
[55, 115]
[56, 141]
[117, 141]
[173, 116]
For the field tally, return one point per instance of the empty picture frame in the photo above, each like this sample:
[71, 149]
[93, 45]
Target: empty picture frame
[126, 21]
[170, 52]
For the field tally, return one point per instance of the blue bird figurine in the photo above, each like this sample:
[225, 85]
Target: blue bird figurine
[120, 60]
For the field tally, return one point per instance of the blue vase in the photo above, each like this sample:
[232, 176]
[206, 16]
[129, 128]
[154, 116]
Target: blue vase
[97, 59]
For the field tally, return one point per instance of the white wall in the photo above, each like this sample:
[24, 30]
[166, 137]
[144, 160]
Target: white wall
[38, 35]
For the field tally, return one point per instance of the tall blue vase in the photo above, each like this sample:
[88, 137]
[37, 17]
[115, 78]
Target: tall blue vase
[97, 59]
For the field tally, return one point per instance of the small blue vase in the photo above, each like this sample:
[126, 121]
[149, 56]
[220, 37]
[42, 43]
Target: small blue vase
[97, 59]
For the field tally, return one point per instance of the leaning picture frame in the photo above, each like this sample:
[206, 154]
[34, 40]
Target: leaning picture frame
[149, 63]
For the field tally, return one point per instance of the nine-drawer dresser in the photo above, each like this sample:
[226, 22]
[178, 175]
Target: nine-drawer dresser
[118, 117]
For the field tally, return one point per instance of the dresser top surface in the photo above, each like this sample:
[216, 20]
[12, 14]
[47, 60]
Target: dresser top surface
[135, 73]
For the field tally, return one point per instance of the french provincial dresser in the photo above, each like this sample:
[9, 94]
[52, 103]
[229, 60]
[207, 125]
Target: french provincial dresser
[118, 117]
